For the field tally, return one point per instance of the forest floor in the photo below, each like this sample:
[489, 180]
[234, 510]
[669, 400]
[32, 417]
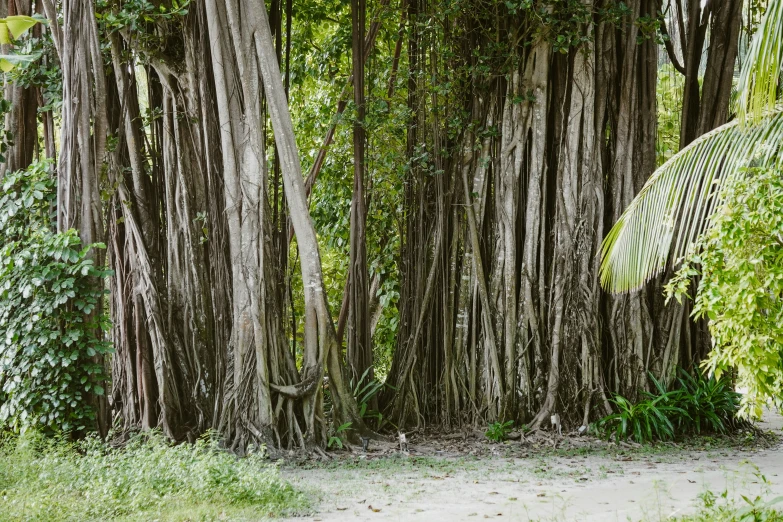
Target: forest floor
[545, 479]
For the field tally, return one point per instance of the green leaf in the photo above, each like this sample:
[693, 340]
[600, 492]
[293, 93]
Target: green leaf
[18, 25]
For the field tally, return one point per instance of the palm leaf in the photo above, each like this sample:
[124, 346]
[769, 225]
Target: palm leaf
[759, 79]
[676, 203]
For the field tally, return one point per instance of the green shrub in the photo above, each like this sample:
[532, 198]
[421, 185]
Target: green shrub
[740, 261]
[709, 404]
[148, 479]
[649, 419]
[50, 327]
[699, 404]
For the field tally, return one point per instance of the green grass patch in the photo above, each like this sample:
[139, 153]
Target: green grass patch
[147, 479]
[718, 508]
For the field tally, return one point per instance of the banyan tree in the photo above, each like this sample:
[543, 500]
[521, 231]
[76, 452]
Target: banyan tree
[520, 132]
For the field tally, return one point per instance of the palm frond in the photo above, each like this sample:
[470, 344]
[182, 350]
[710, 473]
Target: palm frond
[760, 76]
[676, 203]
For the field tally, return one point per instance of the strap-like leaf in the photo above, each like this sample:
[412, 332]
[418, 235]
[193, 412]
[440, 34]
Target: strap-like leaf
[759, 79]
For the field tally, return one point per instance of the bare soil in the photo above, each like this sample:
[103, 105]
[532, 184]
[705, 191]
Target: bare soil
[462, 477]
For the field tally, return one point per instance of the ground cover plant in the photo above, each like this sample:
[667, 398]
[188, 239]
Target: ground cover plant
[53, 479]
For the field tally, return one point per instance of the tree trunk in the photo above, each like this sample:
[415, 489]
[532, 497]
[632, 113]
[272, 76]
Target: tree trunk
[359, 340]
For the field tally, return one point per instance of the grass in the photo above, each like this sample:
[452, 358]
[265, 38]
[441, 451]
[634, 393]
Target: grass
[148, 479]
[719, 508]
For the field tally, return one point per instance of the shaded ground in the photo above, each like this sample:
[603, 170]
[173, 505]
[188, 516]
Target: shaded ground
[581, 479]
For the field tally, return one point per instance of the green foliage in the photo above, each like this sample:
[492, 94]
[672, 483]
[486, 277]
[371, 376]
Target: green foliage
[740, 260]
[44, 74]
[498, 431]
[11, 28]
[141, 18]
[364, 391]
[50, 328]
[148, 479]
[568, 24]
[724, 508]
[668, 95]
[710, 404]
[321, 43]
[336, 437]
[6, 136]
[646, 420]
[699, 404]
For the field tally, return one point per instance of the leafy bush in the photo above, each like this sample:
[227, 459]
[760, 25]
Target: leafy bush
[740, 261]
[50, 331]
[649, 419]
[709, 404]
[699, 404]
[149, 479]
[498, 431]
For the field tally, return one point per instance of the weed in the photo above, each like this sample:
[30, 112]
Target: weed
[336, 439]
[498, 431]
[722, 508]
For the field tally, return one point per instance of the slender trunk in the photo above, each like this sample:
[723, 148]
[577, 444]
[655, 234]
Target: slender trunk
[359, 347]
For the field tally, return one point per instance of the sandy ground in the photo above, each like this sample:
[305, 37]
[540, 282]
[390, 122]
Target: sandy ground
[638, 484]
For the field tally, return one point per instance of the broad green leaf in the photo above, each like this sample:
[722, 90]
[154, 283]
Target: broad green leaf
[18, 25]
[9, 61]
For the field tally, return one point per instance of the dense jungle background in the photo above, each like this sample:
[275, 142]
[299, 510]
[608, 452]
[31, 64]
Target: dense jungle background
[305, 220]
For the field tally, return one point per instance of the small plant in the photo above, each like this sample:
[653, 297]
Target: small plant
[336, 439]
[364, 391]
[498, 431]
[711, 404]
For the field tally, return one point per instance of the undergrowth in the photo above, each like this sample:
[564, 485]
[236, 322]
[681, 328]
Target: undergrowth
[696, 405]
[148, 479]
[749, 510]
[727, 507]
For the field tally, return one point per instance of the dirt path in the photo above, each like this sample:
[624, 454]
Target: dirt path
[637, 485]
